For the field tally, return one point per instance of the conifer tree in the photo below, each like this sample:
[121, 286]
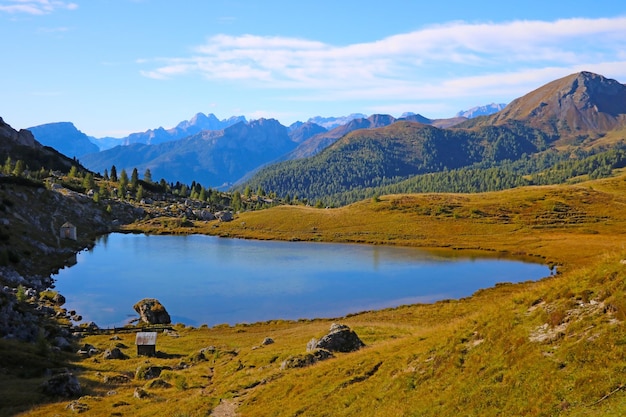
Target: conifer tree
[147, 175]
[20, 167]
[134, 179]
[8, 166]
[73, 172]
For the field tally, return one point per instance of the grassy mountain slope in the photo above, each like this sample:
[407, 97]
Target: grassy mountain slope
[382, 156]
[553, 347]
[576, 113]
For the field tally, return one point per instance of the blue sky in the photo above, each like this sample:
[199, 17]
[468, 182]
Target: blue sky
[118, 66]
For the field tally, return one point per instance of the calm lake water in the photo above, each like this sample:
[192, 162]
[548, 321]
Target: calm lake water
[211, 280]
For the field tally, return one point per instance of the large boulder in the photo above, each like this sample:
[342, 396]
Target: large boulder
[151, 311]
[62, 385]
[340, 339]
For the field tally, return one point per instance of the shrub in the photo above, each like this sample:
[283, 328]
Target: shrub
[21, 293]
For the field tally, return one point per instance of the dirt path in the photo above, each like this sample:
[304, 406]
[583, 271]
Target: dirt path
[226, 408]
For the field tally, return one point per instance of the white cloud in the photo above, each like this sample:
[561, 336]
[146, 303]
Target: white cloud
[35, 7]
[452, 60]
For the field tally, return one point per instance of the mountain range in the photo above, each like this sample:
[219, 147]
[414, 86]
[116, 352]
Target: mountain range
[179, 161]
[579, 108]
[213, 158]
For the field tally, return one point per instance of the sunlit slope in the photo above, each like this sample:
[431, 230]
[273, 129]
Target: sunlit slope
[553, 347]
[564, 224]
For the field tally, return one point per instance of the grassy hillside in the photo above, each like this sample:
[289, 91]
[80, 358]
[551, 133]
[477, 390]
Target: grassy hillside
[553, 347]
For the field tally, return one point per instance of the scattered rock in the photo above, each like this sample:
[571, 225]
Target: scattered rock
[116, 379]
[140, 393]
[150, 371]
[151, 311]
[87, 350]
[339, 339]
[267, 341]
[62, 385]
[158, 383]
[307, 359]
[114, 353]
[77, 407]
[62, 343]
[224, 216]
[58, 299]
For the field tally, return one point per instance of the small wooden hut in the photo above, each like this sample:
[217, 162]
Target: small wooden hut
[68, 231]
[146, 343]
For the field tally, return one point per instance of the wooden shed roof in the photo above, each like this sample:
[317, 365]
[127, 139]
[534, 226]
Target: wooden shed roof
[146, 339]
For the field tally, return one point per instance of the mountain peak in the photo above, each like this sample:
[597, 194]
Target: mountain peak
[579, 103]
[485, 110]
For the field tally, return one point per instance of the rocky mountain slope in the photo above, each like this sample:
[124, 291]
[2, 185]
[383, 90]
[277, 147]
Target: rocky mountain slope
[580, 105]
[31, 246]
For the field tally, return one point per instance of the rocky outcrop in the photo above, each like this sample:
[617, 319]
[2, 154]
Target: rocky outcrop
[114, 353]
[23, 137]
[304, 360]
[151, 311]
[340, 339]
[62, 385]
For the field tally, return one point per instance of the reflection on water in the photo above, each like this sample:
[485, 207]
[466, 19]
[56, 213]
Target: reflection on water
[210, 280]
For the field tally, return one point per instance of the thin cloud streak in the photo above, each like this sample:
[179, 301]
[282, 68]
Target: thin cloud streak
[35, 7]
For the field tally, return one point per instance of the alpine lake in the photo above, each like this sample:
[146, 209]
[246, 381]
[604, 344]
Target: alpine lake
[212, 280]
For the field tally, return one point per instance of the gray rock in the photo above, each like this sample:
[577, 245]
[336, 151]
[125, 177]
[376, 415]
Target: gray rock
[150, 371]
[151, 311]
[339, 339]
[140, 393]
[224, 216]
[116, 379]
[58, 299]
[114, 353]
[267, 341]
[77, 407]
[62, 385]
[62, 343]
[307, 359]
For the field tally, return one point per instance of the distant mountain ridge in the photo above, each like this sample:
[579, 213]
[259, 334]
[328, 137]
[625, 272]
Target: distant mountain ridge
[582, 106]
[186, 128]
[214, 158]
[329, 123]
[65, 138]
[485, 110]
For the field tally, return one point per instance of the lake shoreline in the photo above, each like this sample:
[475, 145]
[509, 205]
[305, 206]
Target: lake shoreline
[284, 272]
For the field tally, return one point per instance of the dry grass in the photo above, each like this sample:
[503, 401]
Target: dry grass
[554, 347]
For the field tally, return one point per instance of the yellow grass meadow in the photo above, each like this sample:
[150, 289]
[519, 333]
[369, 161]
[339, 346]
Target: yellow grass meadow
[552, 347]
